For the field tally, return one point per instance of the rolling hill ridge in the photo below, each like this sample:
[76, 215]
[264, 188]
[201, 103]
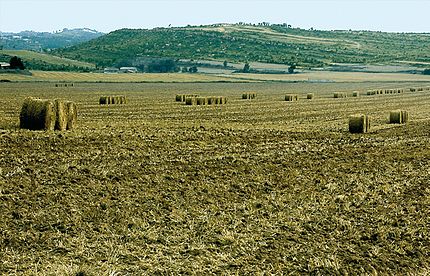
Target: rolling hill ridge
[42, 41]
[278, 44]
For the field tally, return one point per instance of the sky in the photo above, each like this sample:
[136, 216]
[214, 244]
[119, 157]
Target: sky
[110, 15]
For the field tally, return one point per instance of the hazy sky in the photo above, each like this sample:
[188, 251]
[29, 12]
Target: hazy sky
[106, 16]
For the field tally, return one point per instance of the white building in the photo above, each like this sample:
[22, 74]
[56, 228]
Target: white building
[4, 65]
[128, 70]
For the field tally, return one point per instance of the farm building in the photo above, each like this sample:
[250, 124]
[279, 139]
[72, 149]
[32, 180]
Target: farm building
[4, 65]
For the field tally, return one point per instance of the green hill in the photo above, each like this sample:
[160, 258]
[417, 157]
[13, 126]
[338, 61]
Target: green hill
[40, 61]
[239, 43]
[38, 41]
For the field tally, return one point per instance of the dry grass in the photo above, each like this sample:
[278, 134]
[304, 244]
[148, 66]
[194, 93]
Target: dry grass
[315, 76]
[312, 76]
[252, 187]
[48, 76]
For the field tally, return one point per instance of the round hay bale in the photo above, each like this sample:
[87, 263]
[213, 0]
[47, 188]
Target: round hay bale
[367, 123]
[191, 101]
[396, 117]
[179, 97]
[103, 100]
[60, 115]
[211, 100]
[202, 101]
[337, 95]
[405, 116]
[220, 100]
[183, 97]
[122, 99]
[249, 96]
[72, 115]
[399, 117]
[37, 114]
[359, 123]
[291, 97]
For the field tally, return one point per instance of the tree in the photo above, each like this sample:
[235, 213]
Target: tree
[225, 63]
[193, 69]
[16, 63]
[184, 69]
[291, 69]
[246, 68]
[426, 71]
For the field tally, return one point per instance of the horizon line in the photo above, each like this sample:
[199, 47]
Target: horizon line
[212, 24]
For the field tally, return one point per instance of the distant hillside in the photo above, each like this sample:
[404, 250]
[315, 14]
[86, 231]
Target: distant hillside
[39, 61]
[270, 44]
[38, 41]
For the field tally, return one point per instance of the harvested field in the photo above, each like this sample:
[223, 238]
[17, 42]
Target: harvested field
[250, 187]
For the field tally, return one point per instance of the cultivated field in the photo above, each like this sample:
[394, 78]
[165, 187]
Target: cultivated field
[258, 186]
[32, 56]
[55, 76]
[307, 76]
